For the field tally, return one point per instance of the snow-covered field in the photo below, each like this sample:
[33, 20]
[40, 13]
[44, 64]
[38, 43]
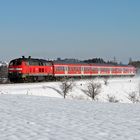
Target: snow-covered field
[41, 117]
[25, 117]
[119, 88]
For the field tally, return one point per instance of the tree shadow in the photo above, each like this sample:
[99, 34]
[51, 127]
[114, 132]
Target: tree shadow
[85, 92]
[58, 91]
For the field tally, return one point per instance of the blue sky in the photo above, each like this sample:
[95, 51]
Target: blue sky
[70, 28]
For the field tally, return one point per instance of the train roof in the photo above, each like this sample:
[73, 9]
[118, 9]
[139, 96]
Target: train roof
[86, 63]
[29, 59]
[94, 64]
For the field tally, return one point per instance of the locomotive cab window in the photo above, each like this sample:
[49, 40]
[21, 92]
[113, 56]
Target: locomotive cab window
[15, 63]
[34, 63]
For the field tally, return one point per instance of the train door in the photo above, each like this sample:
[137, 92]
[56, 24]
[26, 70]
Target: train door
[82, 70]
[66, 70]
[99, 70]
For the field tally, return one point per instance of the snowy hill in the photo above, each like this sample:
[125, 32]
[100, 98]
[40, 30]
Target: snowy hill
[25, 117]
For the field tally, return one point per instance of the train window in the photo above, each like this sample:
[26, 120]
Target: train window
[59, 68]
[40, 70]
[125, 70]
[44, 64]
[119, 70]
[15, 62]
[101, 69]
[86, 69]
[18, 63]
[27, 63]
[11, 63]
[78, 69]
[47, 64]
[71, 68]
[40, 64]
[116, 70]
[106, 69]
[95, 69]
[33, 63]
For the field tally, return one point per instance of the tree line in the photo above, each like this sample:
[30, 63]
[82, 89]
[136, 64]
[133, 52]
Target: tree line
[135, 64]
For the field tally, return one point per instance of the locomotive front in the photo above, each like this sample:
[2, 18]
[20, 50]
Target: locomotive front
[29, 70]
[15, 70]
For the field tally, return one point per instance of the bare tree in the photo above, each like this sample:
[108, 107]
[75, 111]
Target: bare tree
[106, 81]
[3, 73]
[112, 99]
[130, 60]
[133, 97]
[66, 86]
[93, 89]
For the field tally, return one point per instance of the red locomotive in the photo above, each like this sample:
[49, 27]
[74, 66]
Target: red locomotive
[29, 69]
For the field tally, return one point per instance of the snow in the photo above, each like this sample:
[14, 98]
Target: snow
[47, 116]
[43, 118]
[120, 88]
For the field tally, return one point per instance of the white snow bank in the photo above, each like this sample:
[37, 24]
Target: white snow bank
[119, 88]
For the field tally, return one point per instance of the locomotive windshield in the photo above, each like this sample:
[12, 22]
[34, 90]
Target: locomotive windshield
[15, 62]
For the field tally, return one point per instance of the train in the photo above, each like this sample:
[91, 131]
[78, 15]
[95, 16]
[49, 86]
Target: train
[31, 70]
